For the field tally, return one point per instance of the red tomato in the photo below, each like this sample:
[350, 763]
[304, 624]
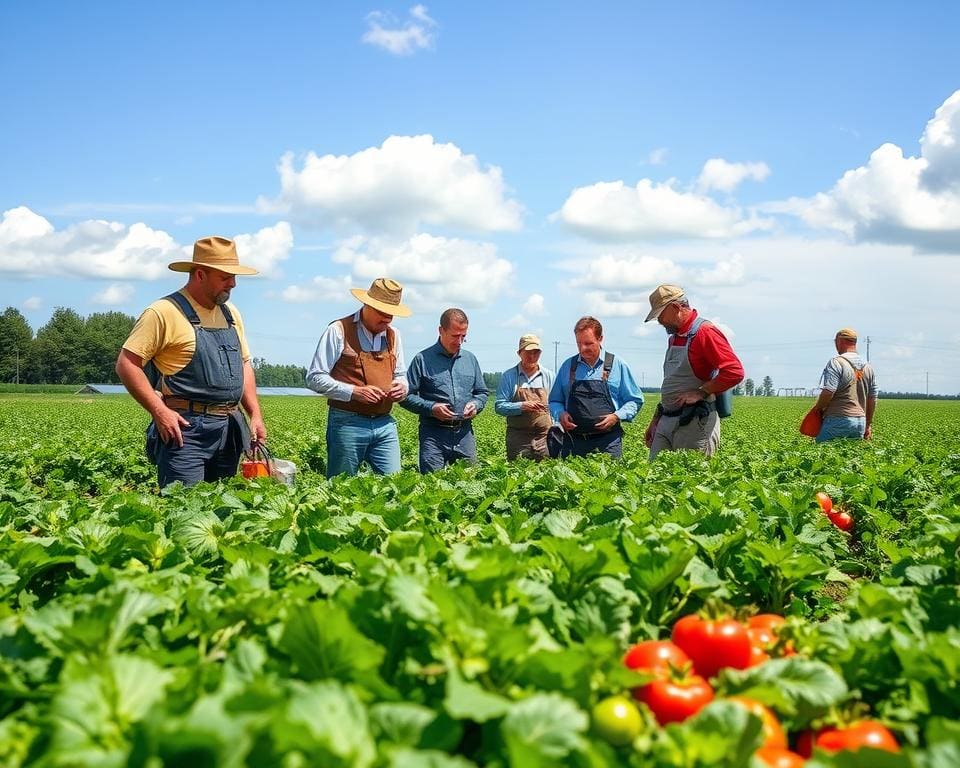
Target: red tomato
[865, 733]
[655, 656]
[825, 502]
[768, 621]
[713, 644]
[777, 757]
[773, 735]
[758, 655]
[674, 701]
[843, 520]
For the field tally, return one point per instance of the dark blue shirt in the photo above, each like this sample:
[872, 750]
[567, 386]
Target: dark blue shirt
[436, 376]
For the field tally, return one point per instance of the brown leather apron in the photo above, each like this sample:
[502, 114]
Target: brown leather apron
[527, 433]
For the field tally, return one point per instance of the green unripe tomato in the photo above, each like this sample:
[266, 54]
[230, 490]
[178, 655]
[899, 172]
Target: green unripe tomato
[617, 720]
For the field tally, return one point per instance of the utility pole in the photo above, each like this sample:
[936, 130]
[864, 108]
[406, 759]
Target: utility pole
[868, 349]
[556, 346]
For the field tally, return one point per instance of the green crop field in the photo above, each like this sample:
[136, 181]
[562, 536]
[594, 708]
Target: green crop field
[476, 616]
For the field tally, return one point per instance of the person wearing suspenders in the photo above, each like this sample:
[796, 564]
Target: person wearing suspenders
[849, 394]
[593, 393]
[359, 368]
[187, 363]
[522, 396]
[698, 366]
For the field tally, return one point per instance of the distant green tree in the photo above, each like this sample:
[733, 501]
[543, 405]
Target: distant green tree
[492, 380]
[278, 375]
[766, 389]
[738, 390]
[748, 388]
[16, 338]
[104, 334]
[56, 356]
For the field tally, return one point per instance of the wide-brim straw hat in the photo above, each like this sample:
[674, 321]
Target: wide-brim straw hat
[215, 253]
[384, 295]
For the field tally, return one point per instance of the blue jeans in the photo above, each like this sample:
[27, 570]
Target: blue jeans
[441, 446]
[211, 450]
[353, 439]
[834, 427]
[609, 442]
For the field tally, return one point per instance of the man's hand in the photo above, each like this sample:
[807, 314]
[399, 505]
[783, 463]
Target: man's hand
[868, 433]
[470, 410]
[533, 406]
[651, 431]
[607, 423]
[690, 397]
[397, 392]
[567, 423]
[168, 424]
[368, 394]
[443, 412]
[258, 431]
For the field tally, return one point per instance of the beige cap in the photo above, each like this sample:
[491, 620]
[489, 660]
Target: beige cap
[217, 253]
[661, 296]
[529, 341]
[384, 295]
[847, 333]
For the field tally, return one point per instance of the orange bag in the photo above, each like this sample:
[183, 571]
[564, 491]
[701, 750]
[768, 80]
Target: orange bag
[256, 463]
[810, 426]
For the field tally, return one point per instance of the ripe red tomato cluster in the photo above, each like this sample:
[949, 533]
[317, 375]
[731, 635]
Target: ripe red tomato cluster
[839, 517]
[699, 648]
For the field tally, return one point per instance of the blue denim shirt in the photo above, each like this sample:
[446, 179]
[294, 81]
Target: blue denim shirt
[627, 397]
[510, 381]
[435, 376]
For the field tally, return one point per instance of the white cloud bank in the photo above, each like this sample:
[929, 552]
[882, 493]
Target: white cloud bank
[433, 270]
[394, 188]
[724, 176]
[385, 31]
[652, 211]
[30, 246]
[114, 295]
[898, 199]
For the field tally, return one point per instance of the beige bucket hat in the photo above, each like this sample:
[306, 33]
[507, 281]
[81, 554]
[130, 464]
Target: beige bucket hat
[846, 333]
[384, 295]
[215, 253]
[662, 295]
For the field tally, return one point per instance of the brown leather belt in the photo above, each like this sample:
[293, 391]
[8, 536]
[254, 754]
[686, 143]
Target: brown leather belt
[193, 406]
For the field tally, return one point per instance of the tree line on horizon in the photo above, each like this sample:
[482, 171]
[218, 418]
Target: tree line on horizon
[71, 349]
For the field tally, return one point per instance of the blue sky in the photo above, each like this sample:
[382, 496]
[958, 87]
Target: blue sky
[795, 167]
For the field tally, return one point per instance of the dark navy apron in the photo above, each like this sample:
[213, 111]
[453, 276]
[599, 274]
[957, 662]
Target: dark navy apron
[589, 400]
[214, 376]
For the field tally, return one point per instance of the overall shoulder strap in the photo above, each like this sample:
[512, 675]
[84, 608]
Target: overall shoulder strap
[695, 327]
[607, 364]
[227, 314]
[573, 370]
[181, 301]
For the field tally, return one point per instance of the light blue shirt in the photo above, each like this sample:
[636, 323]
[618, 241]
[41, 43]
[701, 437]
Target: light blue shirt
[436, 376]
[626, 395]
[329, 349]
[513, 379]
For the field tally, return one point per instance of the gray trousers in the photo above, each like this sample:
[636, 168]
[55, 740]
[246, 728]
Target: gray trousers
[701, 434]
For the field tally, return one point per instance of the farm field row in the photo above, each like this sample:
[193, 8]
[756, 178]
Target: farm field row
[472, 617]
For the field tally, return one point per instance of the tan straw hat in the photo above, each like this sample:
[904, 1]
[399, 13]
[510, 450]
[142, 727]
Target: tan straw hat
[847, 333]
[384, 295]
[529, 341]
[216, 253]
[661, 296]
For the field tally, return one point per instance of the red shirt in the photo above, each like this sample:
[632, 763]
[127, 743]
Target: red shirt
[710, 351]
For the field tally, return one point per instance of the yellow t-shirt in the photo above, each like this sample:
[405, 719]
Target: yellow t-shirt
[163, 334]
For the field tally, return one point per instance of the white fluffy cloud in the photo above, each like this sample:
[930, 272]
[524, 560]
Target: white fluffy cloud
[115, 294]
[534, 307]
[394, 188]
[895, 198]
[30, 246]
[32, 303]
[616, 211]
[433, 270]
[385, 31]
[328, 289]
[719, 174]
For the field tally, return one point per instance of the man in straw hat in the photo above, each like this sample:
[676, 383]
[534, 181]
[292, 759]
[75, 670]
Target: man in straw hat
[523, 397]
[849, 394]
[187, 363]
[699, 365]
[447, 391]
[359, 368]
